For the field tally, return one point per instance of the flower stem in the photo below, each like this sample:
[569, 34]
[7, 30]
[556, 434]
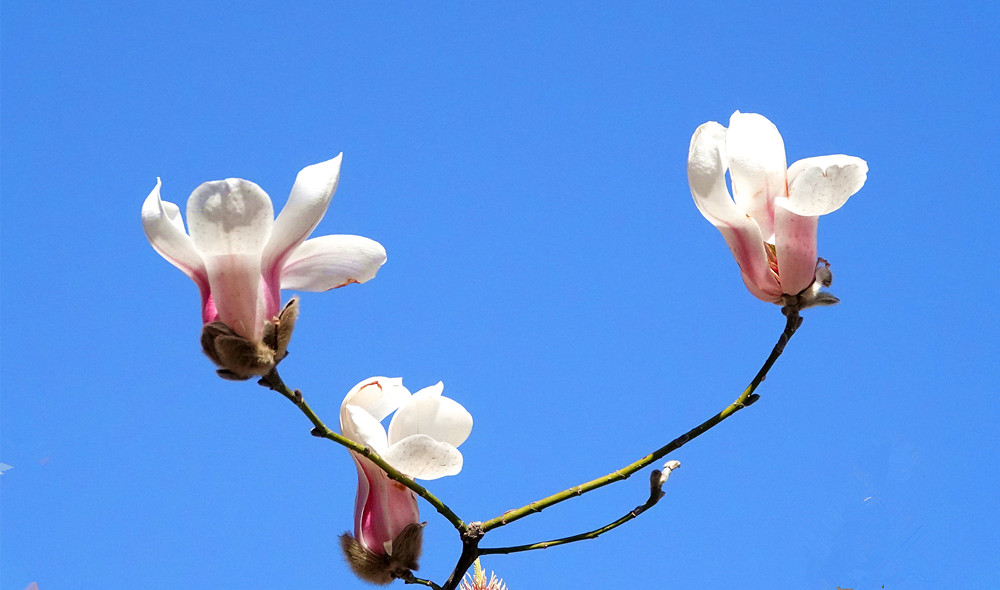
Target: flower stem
[792, 323]
[273, 381]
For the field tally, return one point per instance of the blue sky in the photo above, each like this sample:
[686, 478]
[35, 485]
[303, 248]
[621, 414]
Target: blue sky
[524, 166]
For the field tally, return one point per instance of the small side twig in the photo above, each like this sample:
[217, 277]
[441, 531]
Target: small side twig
[656, 481]
[792, 322]
[409, 578]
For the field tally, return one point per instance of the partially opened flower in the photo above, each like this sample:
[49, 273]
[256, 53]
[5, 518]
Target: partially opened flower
[770, 220]
[477, 579]
[240, 256]
[422, 443]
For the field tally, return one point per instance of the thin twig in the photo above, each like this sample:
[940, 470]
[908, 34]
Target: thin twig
[273, 381]
[656, 481]
[792, 323]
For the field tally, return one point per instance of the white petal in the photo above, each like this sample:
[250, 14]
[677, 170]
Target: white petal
[360, 426]
[420, 456]
[311, 194]
[427, 412]
[707, 177]
[230, 222]
[231, 216]
[328, 262]
[431, 390]
[379, 396]
[161, 220]
[757, 167]
[821, 185]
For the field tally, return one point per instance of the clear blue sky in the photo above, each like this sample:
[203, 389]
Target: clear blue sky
[524, 166]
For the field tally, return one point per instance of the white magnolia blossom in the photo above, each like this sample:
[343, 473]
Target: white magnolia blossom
[769, 222]
[422, 442]
[240, 256]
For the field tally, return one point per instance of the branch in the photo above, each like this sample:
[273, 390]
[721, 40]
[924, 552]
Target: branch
[792, 323]
[656, 481]
[470, 552]
[273, 381]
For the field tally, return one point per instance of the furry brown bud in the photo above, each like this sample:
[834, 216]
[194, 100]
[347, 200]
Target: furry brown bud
[383, 568]
[240, 358]
[278, 333]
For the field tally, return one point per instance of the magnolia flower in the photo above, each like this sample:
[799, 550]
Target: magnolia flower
[477, 580]
[240, 256]
[422, 443]
[770, 221]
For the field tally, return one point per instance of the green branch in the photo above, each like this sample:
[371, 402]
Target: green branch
[472, 533]
[792, 323]
[273, 381]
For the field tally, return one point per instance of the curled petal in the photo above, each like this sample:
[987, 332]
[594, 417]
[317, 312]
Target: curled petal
[164, 228]
[361, 427]
[422, 457]
[795, 247]
[821, 185]
[757, 167]
[161, 220]
[379, 396]
[230, 223]
[328, 262]
[311, 195]
[707, 177]
[427, 412]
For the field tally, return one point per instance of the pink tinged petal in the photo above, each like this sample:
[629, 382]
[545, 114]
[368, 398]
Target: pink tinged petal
[161, 220]
[821, 185]
[795, 246]
[382, 509]
[763, 292]
[757, 167]
[361, 498]
[230, 224]
[707, 177]
[422, 457]
[328, 262]
[311, 195]
[427, 412]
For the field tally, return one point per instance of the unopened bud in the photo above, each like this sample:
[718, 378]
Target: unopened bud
[667, 468]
